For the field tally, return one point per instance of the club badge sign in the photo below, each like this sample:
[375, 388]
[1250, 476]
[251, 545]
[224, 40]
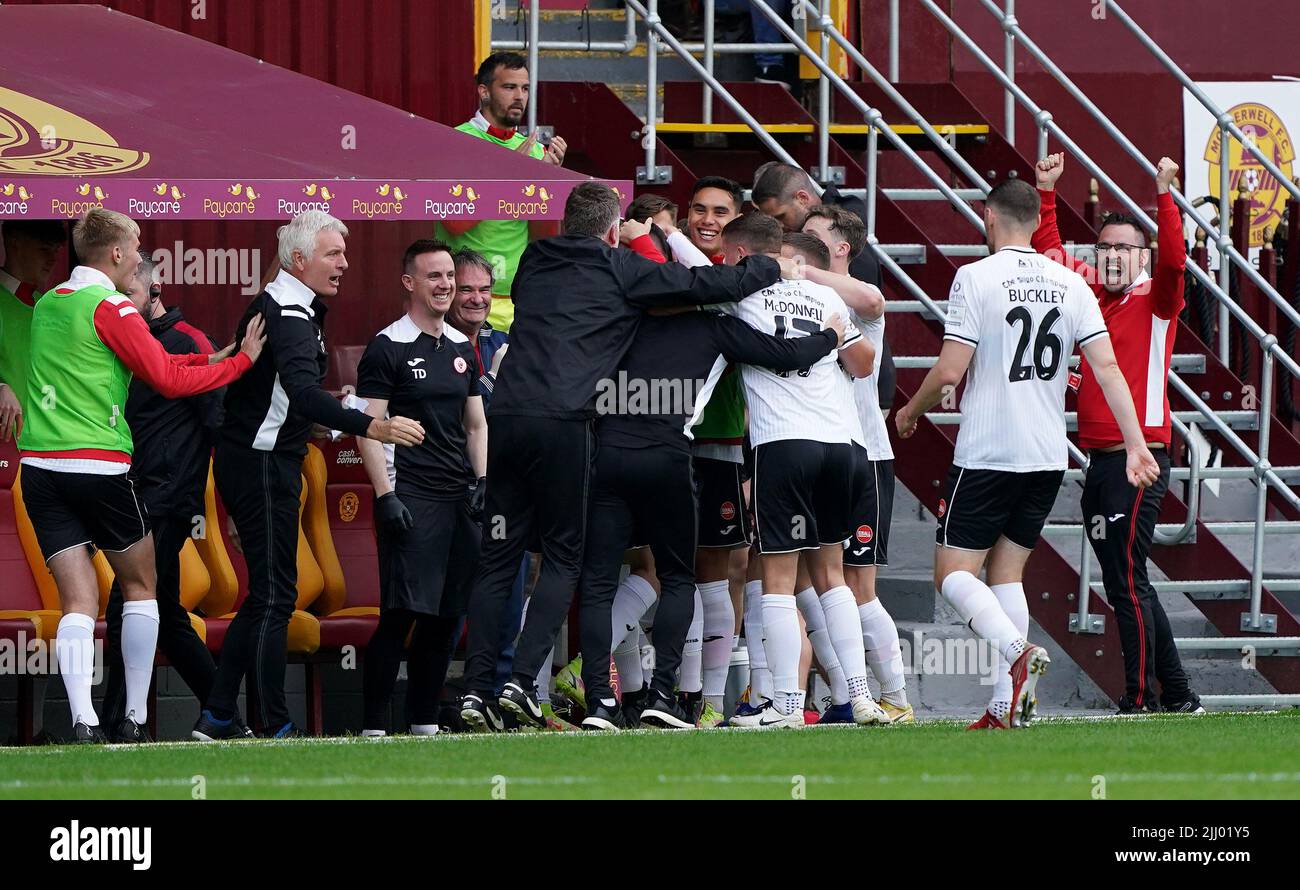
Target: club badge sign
[1268, 114]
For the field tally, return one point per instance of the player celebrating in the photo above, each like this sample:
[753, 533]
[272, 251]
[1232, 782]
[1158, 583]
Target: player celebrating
[1013, 319]
[1139, 308]
[87, 340]
[802, 426]
[845, 236]
[422, 367]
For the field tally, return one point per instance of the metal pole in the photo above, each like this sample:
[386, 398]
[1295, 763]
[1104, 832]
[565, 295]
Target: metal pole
[824, 102]
[893, 41]
[1243, 264]
[708, 59]
[945, 148]
[1261, 492]
[1009, 62]
[873, 153]
[533, 79]
[872, 115]
[1224, 239]
[657, 32]
[1191, 87]
[1085, 581]
[1043, 117]
[651, 88]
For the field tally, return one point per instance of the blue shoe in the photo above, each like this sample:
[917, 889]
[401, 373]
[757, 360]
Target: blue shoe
[210, 729]
[744, 709]
[836, 714]
[289, 731]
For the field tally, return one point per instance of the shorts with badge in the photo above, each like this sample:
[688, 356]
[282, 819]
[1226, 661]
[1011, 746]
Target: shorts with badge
[723, 520]
[980, 506]
[868, 543]
[803, 494]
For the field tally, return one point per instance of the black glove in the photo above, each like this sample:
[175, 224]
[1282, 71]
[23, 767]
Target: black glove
[391, 513]
[477, 498]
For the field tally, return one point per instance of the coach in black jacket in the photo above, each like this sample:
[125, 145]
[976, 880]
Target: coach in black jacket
[169, 469]
[258, 464]
[578, 300]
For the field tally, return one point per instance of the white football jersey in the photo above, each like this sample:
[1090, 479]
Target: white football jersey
[813, 403]
[1023, 314]
[866, 392]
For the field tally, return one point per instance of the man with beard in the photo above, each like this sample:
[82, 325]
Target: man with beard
[503, 95]
[1141, 311]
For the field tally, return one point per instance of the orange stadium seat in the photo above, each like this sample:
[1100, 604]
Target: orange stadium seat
[33, 608]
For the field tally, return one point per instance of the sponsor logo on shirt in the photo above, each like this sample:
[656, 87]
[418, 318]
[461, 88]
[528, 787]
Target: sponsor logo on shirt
[459, 364]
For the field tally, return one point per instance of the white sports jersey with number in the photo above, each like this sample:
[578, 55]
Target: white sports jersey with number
[866, 392]
[814, 403]
[1023, 314]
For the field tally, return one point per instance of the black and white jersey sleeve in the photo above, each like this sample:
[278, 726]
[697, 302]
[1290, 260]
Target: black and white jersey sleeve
[427, 379]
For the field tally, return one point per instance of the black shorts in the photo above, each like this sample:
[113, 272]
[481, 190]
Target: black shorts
[803, 494]
[429, 567]
[723, 521]
[980, 506]
[82, 509]
[868, 543]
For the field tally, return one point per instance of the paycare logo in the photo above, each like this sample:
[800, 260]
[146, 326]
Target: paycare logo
[78, 843]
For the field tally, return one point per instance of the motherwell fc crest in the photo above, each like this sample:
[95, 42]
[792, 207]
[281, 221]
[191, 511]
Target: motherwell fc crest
[1263, 127]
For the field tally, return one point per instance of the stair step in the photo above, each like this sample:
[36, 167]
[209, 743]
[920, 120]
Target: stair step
[806, 128]
[1209, 589]
[1186, 363]
[1273, 700]
[1278, 527]
[1237, 420]
[1260, 646]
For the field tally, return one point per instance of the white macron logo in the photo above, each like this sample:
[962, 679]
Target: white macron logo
[91, 844]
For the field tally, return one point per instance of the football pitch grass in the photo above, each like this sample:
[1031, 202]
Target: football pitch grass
[1214, 756]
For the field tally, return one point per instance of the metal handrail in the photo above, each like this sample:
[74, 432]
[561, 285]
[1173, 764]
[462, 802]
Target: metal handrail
[1222, 242]
[626, 45]
[944, 147]
[1224, 119]
[1091, 166]
[658, 32]
[872, 116]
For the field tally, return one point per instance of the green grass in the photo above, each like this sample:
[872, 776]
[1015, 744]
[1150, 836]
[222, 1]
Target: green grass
[1216, 756]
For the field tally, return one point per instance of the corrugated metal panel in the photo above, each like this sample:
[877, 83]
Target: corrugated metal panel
[415, 54]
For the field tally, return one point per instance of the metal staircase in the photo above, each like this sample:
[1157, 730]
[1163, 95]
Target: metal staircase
[919, 154]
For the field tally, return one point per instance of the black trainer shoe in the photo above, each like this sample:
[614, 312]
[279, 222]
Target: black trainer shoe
[82, 734]
[210, 729]
[605, 715]
[522, 704]
[633, 702]
[130, 732]
[478, 715]
[289, 731]
[1190, 705]
[664, 712]
[1128, 708]
[692, 705]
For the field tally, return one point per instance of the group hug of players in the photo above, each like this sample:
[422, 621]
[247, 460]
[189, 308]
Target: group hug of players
[779, 451]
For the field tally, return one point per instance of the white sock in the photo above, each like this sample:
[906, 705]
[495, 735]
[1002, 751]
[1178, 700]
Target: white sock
[425, 729]
[815, 620]
[760, 678]
[884, 654]
[719, 623]
[781, 640]
[979, 608]
[139, 642]
[1011, 597]
[845, 630]
[633, 599]
[691, 678]
[74, 646]
[627, 659]
[544, 678]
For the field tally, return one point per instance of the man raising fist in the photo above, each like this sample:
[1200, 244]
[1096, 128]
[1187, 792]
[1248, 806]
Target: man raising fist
[1140, 307]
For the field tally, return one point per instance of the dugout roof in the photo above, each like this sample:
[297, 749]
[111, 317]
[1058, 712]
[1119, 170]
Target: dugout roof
[101, 107]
